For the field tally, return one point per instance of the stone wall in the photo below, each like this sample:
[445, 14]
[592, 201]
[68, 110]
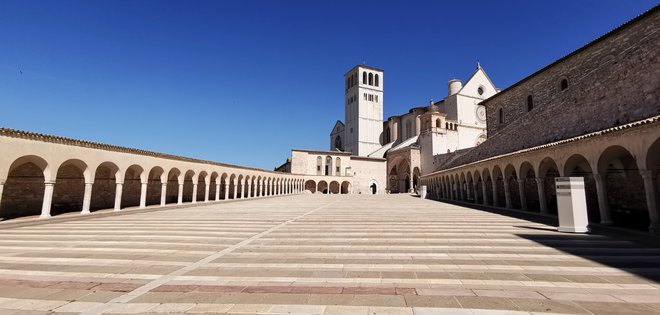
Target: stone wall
[612, 81]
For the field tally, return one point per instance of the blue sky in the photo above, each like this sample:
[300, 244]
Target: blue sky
[243, 82]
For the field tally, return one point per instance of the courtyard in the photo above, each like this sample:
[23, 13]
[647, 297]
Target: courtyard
[320, 254]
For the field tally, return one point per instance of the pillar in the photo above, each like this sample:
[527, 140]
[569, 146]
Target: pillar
[226, 191]
[143, 195]
[249, 190]
[521, 192]
[217, 191]
[495, 201]
[163, 194]
[48, 199]
[2, 186]
[484, 192]
[412, 189]
[460, 191]
[474, 192]
[118, 190]
[180, 196]
[540, 184]
[194, 192]
[235, 190]
[651, 205]
[87, 198]
[261, 189]
[603, 206]
[243, 190]
[507, 195]
[207, 189]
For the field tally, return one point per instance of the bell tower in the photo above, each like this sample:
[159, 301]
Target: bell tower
[364, 109]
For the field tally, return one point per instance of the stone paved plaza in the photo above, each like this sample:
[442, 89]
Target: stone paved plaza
[321, 254]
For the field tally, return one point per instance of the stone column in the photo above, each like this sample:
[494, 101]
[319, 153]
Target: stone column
[217, 191]
[495, 201]
[180, 196]
[48, 200]
[543, 203]
[249, 190]
[194, 193]
[226, 191]
[143, 195]
[207, 189]
[521, 192]
[118, 191]
[235, 190]
[163, 194]
[460, 192]
[243, 191]
[484, 192]
[507, 195]
[603, 205]
[649, 190]
[87, 198]
[261, 189]
[474, 192]
[2, 186]
[412, 189]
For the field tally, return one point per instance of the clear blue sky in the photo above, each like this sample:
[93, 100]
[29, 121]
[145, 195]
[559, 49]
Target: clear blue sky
[243, 82]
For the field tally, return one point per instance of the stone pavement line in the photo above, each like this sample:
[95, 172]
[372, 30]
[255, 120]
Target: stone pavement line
[166, 278]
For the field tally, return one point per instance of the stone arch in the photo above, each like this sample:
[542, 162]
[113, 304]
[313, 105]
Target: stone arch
[530, 189]
[323, 187]
[214, 191]
[498, 179]
[154, 185]
[106, 176]
[173, 180]
[651, 178]
[69, 189]
[133, 179]
[479, 187]
[469, 187]
[224, 186]
[202, 185]
[548, 171]
[511, 178]
[188, 179]
[416, 176]
[624, 187]
[310, 186]
[488, 185]
[373, 187]
[334, 187]
[345, 187]
[578, 166]
[23, 191]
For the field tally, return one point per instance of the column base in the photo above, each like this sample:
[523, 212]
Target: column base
[44, 216]
[85, 212]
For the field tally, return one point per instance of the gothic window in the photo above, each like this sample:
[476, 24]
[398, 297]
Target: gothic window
[319, 163]
[338, 166]
[564, 84]
[530, 103]
[338, 143]
[376, 98]
[500, 115]
[377, 80]
[446, 125]
[371, 79]
[437, 123]
[364, 78]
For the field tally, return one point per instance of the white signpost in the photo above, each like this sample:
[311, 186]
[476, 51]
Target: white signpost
[422, 191]
[571, 205]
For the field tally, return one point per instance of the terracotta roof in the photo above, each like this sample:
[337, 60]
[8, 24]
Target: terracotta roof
[647, 121]
[13, 133]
